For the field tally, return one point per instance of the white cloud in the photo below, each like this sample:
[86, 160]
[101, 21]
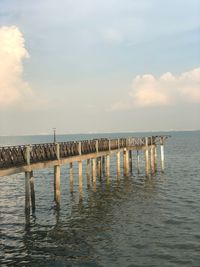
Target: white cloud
[168, 89]
[146, 91]
[13, 88]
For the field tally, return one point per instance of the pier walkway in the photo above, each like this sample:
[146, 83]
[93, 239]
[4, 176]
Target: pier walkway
[97, 152]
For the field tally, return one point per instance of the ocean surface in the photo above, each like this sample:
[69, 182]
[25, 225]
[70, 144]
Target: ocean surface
[131, 221]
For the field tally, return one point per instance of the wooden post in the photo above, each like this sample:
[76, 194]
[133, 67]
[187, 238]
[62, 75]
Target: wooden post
[103, 165]
[57, 177]
[118, 163]
[58, 150]
[80, 183]
[162, 153]
[94, 170]
[27, 192]
[130, 162]
[32, 191]
[27, 181]
[146, 157]
[57, 184]
[97, 146]
[124, 161]
[80, 174]
[71, 176]
[108, 165]
[127, 162]
[138, 162]
[79, 148]
[28, 154]
[151, 157]
[108, 161]
[109, 145]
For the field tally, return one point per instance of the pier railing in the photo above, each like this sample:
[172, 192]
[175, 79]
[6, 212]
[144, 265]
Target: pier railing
[12, 156]
[96, 153]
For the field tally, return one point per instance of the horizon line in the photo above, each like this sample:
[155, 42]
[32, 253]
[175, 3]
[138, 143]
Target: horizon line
[91, 133]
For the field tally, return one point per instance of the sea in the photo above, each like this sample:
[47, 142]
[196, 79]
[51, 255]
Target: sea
[124, 222]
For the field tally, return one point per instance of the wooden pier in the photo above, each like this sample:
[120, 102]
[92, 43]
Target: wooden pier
[96, 152]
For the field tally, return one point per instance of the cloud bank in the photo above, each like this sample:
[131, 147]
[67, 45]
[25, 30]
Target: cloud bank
[13, 88]
[166, 90]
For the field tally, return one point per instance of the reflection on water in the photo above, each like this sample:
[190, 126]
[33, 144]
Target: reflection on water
[112, 221]
[70, 238]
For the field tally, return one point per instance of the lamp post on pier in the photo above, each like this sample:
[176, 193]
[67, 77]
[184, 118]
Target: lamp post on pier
[54, 135]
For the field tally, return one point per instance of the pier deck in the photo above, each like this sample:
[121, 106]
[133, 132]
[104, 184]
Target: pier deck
[27, 158]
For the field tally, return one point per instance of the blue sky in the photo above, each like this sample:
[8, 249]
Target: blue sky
[85, 57]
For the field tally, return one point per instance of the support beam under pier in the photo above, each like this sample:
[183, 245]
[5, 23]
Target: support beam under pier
[71, 176]
[151, 157]
[130, 162]
[138, 162]
[32, 191]
[118, 163]
[29, 192]
[126, 162]
[94, 170]
[162, 154]
[146, 157]
[57, 184]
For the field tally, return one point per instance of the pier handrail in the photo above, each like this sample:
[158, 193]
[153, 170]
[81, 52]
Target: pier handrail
[11, 156]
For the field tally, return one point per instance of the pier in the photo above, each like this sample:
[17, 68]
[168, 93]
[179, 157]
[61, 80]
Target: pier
[96, 153]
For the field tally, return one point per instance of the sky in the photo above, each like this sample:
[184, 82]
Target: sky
[87, 66]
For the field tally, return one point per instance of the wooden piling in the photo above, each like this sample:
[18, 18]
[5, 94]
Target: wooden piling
[28, 155]
[130, 162]
[151, 158]
[126, 161]
[27, 192]
[71, 176]
[88, 168]
[97, 146]
[57, 177]
[146, 157]
[57, 184]
[79, 148]
[28, 175]
[162, 153]
[118, 163]
[32, 191]
[138, 162]
[80, 174]
[94, 170]
[103, 166]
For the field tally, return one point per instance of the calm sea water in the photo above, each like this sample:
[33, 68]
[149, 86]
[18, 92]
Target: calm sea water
[131, 221]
